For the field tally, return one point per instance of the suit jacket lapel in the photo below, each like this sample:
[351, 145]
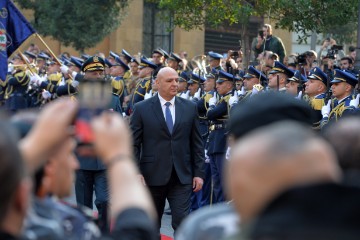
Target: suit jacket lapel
[156, 106]
[179, 111]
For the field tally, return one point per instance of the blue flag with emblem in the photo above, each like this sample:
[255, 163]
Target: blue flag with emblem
[14, 30]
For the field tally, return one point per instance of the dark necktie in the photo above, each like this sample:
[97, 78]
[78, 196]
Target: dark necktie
[168, 117]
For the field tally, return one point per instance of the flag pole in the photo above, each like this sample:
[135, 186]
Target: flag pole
[27, 64]
[51, 52]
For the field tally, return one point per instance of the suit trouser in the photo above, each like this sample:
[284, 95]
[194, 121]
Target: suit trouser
[86, 182]
[178, 196]
[217, 164]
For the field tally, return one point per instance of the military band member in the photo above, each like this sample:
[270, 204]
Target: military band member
[294, 85]
[281, 72]
[134, 68]
[344, 101]
[252, 80]
[41, 62]
[239, 80]
[144, 85]
[218, 114]
[30, 56]
[158, 57]
[118, 71]
[194, 85]
[85, 56]
[68, 85]
[112, 57]
[315, 89]
[126, 58]
[183, 84]
[174, 62]
[214, 60]
[203, 197]
[16, 88]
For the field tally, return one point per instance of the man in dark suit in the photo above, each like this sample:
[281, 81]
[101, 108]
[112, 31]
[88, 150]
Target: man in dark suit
[168, 147]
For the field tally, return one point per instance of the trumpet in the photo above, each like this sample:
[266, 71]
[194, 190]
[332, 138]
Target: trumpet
[23, 67]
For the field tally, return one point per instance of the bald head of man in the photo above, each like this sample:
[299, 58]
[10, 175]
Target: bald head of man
[273, 159]
[167, 81]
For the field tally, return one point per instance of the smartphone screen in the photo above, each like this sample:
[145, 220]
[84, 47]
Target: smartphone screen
[94, 98]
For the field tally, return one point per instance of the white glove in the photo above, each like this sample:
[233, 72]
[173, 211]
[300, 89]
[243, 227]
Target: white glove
[74, 83]
[10, 68]
[254, 91]
[234, 99]
[207, 159]
[73, 74]
[213, 100]
[325, 110]
[227, 156]
[299, 95]
[242, 91]
[185, 95]
[197, 94]
[148, 95]
[35, 78]
[64, 69]
[355, 102]
[46, 94]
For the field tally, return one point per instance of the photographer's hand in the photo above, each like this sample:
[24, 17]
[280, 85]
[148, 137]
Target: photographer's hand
[49, 131]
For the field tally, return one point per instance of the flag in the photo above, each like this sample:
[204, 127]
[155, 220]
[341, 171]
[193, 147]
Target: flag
[14, 30]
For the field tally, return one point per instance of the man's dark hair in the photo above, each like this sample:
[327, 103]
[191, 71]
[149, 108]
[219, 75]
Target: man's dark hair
[352, 49]
[12, 169]
[347, 58]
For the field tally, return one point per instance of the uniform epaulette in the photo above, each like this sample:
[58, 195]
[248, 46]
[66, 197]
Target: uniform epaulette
[55, 77]
[317, 103]
[127, 74]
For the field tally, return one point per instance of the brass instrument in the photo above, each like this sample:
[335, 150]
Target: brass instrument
[23, 67]
[199, 64]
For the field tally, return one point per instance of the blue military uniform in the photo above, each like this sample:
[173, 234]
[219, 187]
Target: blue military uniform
[281, 68]
[91, 175]
[67, 88]
[118, 83]
[183, 77]
[218, 116]
[142, 87]
[217, 56]
[252, 72]
[202, 197]
[15, 92]
[340, 107]
[318, 101]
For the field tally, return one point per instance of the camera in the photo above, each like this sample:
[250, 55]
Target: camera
[261, 33]
[333, 51]
[301, 59]
[234, 54]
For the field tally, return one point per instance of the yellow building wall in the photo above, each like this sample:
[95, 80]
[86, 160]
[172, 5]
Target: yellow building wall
[193, 42]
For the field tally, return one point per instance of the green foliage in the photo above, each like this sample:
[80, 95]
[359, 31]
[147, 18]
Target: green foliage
[320, 16]
[301, 16]
[194, 14]
[81, 24]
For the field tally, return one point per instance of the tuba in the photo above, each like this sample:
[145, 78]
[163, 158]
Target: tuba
[199, 64]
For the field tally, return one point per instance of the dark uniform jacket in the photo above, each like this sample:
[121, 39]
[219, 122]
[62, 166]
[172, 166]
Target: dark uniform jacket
[218, 117]
[15, 92]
